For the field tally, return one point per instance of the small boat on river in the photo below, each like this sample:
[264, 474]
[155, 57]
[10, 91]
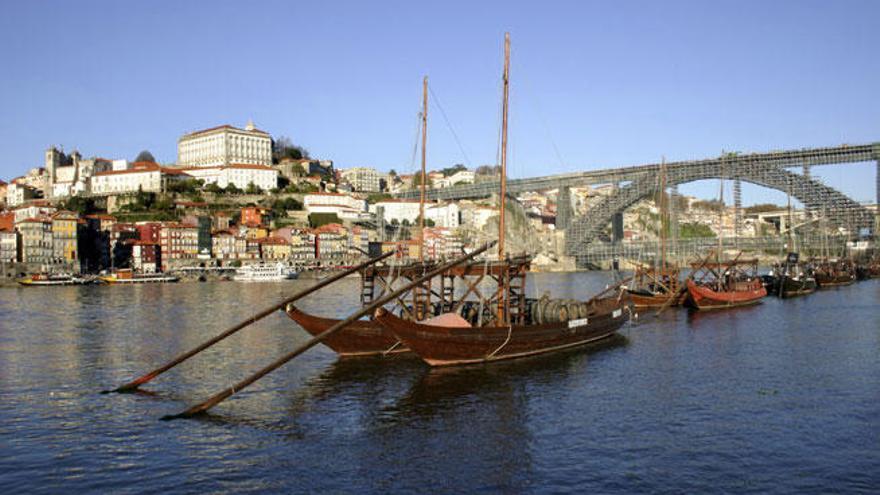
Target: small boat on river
[793, 278]
[725, 284]
[125, 276]
[264, 273]
[54, 279]
[834, 273]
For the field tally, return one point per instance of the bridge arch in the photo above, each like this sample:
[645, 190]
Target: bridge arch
[845, 212]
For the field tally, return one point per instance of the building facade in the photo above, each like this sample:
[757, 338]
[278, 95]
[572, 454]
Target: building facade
[239, 174]
[64, 238]
[36, 240]
[363, 179]
[178, 242]
[9, 244]
[225, 145]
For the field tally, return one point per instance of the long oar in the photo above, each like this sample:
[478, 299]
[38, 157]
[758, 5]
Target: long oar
[134, 384]
[225, 394]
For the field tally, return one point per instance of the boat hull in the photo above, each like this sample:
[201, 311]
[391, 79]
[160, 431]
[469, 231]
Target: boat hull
[790, 287]
[642, 300]
[448, 346]
[704, 298]
[361, 338]
[834, 280]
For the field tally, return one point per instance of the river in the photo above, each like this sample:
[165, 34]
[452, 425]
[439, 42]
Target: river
[783, 397]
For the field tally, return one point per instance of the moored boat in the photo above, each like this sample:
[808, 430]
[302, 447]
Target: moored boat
[49, 279]
[505, 325]
[361, 338]
[127, 276]
[457, 342]
[265, 273]
[725, 284]
[834, 273]
[793, 278]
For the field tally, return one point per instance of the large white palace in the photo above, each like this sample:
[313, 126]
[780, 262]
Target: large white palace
[225, 145]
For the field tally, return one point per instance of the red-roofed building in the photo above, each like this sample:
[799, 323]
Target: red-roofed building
[146, 257]
[36, 240]
[142, 176]
[178, 242]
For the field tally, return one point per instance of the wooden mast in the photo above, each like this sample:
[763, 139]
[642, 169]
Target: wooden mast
[502, 289]
[424, 173]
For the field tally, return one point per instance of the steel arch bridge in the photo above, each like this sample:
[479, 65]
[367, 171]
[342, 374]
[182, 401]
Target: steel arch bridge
[839, 209]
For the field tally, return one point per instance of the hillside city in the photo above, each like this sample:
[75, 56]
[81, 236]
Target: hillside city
[237, 196]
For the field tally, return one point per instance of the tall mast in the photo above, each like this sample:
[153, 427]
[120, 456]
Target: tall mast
[424, 174]
[721, 210]
[506, 79]
[663, 220]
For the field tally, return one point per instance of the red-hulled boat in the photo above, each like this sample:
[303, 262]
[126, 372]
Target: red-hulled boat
[725, 284]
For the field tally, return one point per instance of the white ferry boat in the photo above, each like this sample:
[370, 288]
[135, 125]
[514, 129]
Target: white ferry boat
[127, 276]
[264, 273]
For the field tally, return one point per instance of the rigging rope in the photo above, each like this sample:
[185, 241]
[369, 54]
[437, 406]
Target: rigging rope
[449, 125]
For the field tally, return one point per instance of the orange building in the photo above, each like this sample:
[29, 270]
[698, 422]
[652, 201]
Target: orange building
[252, 215]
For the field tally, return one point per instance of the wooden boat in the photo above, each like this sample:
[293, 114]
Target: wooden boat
[367, 337]
[441, 345]
[507, 325]
[725, 284]
[361, 338]
[834, 273]
[658, 286]
[793, 278]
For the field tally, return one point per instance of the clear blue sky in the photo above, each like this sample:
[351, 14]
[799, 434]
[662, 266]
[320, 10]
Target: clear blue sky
[610, 83]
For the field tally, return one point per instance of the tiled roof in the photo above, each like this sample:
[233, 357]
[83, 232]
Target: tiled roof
[219, 127]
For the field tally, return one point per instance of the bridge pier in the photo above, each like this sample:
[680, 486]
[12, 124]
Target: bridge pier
[617, 228]
[877, 201]
[564, 211]
[737, 207]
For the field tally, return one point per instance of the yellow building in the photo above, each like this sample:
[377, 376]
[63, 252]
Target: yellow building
[64, 237]
[274, 248]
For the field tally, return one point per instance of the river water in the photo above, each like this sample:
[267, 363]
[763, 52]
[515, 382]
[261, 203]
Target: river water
[783, 397]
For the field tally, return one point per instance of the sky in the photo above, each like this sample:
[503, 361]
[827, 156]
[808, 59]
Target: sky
[593, 84]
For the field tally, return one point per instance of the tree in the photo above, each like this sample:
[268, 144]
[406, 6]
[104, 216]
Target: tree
[377, 197]
[392, 173]
[283, 147]
[145, 156]
[214, 188]
[417, 180]
[488, 170]
[232, 189]
[458, 167]
[252, 189]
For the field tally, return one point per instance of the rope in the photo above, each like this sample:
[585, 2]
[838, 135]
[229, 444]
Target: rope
[385, 352]
[449, 125]
[509, 333]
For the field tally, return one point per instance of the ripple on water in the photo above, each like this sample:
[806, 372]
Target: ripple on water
[782, 397]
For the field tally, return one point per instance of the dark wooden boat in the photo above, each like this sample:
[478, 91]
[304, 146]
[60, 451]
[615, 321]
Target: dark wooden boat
[834, 273]
[455, 345]
[362, 338]
[654, 288]
[725, 284]
[798, 285]
[507, 326]
[792, 278]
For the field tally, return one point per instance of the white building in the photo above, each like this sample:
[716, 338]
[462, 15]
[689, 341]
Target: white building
[343, 205]
[241, 175]
[460, 177]
[22, 213]
[442, 214]
[363, 179]
[225, 145]
[17, 194]
[144, 176]
[8, 245]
